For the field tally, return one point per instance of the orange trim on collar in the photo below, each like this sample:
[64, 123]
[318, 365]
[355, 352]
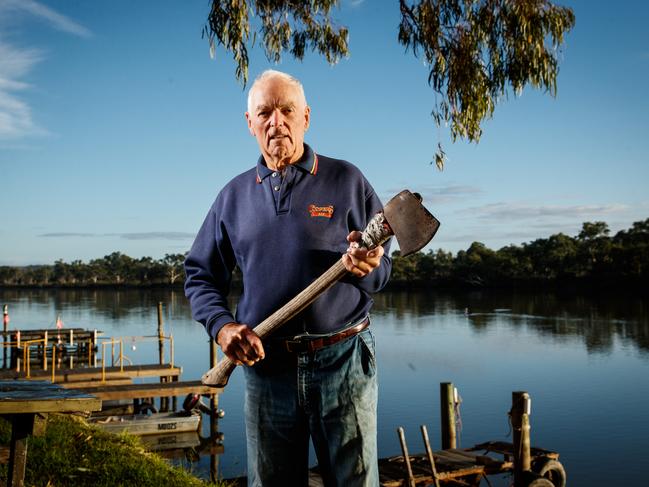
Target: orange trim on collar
[314, 168]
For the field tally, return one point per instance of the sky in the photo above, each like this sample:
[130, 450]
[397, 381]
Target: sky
[117, 128]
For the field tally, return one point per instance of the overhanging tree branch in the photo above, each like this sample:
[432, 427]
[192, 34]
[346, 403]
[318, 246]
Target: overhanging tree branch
[478, 50]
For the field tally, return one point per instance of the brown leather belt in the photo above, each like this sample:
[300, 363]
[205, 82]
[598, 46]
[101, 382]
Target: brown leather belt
[309, 344]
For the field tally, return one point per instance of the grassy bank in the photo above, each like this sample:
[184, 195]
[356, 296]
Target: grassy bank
[72, 453]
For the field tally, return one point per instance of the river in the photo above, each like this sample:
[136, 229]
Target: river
[583, 359]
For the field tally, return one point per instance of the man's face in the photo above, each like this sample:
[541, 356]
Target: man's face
[278, 119]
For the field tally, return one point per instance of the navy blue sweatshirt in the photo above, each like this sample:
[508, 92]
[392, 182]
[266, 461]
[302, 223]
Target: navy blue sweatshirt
[284, 231]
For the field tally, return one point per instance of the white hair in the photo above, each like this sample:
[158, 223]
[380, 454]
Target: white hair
[272, 73]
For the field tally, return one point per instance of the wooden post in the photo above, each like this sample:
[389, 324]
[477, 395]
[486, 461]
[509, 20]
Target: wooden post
[5, 324]
[447, 407]
[520, 418]
[429, 454]
[22, 427]
[45, 340]
[71, 344]
[214, 405]
[161, 347]
[164, 401]
[94, 346]
[406, 456]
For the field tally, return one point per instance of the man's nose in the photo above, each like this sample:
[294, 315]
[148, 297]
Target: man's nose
[276, 118]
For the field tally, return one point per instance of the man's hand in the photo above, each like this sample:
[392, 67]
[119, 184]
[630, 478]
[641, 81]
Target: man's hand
[360, 261]
[240, 344]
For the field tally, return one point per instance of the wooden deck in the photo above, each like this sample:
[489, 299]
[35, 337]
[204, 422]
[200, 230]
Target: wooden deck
[455, 466]
[157, 389]
[93, 373]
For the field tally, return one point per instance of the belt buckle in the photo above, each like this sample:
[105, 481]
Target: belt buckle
[294, 342]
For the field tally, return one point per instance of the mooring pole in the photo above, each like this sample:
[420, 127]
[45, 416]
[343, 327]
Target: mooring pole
[5, 324]
[164, 401]
[447, 407]
[520, 418]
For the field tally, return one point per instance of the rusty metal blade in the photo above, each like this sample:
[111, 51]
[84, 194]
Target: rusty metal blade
[411, 223]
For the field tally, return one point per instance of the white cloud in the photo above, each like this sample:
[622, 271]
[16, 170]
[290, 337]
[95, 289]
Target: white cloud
[16, 62]
[15, 114]
[515, 211]
[53, 18]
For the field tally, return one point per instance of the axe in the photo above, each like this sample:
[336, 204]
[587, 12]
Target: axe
[403, 216]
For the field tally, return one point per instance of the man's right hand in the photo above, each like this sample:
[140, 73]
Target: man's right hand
[240, 344]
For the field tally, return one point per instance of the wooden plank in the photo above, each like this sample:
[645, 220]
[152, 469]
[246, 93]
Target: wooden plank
[42, 331]
[89, 373]
[18, 397]
[492, 465]
[506, 448]
[50, 405]
[151, 390]
[96, 383]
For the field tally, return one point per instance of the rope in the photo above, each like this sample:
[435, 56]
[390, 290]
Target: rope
[458, 418]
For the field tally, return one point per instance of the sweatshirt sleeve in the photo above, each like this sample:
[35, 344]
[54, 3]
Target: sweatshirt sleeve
[208, 269]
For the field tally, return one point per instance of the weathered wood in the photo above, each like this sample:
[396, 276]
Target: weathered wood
[219, 375]
[214, 406]
[506, 448]
[135, 391]
[20, 401]
[96, 383]
[521, 435]
[43, 397]
[164, 402]
[447, 409]
[22, 426]
[429, 454]
[391, 470]
[406, 456]
[90, 373]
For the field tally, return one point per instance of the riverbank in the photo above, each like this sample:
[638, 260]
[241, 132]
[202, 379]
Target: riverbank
[72, 453]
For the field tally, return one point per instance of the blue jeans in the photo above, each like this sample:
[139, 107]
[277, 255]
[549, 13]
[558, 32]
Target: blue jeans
[329, 395]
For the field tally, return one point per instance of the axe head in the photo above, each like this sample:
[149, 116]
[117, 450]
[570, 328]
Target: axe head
[411, 223]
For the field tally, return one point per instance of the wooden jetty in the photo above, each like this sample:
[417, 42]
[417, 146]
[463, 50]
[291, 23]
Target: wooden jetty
[76, 375]
[96, 365]
[21, 401]
[35, 345]
[134, 391]
[451, 466]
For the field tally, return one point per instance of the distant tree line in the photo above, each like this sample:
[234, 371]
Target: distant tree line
[113, 269]
[591, 256]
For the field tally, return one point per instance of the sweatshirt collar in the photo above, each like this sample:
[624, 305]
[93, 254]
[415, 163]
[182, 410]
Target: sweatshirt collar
[307, 163]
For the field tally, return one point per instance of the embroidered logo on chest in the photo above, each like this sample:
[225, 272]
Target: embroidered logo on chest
[321, 211]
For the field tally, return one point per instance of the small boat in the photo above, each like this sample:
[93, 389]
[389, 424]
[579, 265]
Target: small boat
[150, 424]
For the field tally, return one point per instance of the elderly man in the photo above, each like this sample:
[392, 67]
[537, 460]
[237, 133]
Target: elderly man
[283, 223]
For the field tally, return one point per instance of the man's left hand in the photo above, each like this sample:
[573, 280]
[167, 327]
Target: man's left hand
[358, 260]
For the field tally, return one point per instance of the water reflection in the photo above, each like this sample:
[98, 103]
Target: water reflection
[568, 350]
[597, 320]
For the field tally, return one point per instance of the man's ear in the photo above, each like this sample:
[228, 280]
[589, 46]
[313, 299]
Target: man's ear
[249, 120]
[307, 117]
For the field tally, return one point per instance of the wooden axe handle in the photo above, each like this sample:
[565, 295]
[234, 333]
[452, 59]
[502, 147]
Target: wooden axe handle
[377, 232]
[219, 375]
